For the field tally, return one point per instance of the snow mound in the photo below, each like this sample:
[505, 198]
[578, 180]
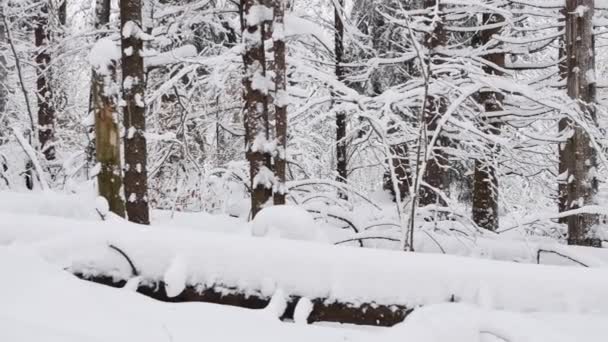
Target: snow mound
[287, 222]
[47, 203]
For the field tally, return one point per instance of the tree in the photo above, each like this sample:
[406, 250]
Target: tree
[3, 68]
[105, 109]
[579, 153]
[255, 94]
[341, 144]
[435, 173]
[485, 182]
[280, 101]
[46, 112]
[133, 86]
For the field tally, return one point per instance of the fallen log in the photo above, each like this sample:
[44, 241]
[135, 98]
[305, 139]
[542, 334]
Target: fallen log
[323, 310]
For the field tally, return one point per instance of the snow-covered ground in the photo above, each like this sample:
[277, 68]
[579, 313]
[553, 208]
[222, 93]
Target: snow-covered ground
[41, 302]
[45, 235]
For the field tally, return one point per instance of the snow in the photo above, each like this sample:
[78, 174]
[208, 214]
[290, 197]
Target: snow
[42, 302]
[258, 14]
[286, 222]
[176, 276]
[231, 261]
[302, 311]
[43, 235]
[103, 54]
[64, 309]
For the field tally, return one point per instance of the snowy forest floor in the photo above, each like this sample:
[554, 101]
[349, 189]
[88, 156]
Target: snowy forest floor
[43, 236]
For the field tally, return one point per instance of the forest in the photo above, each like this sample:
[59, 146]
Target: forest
[327, 170]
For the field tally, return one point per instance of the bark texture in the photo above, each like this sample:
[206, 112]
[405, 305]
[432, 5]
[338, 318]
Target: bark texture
[341, 143]
[255, 110]
[107, 135]
[280, 102]
[46, 112]
[135, 170]
[485, 182]
[435, 174]
[579, 154]
[563, 125]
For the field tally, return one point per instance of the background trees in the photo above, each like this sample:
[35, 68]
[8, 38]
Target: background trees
[457, 108]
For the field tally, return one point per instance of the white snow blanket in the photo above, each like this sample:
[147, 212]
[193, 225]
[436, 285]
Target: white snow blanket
[261, 265]
[40, 302]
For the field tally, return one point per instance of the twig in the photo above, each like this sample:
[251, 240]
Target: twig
[133, 269]
[558, 253]
[367, 238]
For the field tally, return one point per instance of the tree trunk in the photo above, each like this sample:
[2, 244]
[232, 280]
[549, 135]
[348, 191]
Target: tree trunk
[46, 112]
[485, 182]
[435, 173]
[341, 144]
[135, 179]
[280, 101]
[107, 135]
[255, 111]
[563, 125]
[3, 70]
[579, 154]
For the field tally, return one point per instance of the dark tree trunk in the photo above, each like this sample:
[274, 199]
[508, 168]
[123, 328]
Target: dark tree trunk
[563, 125]
[46, 112]
[341, 144]
[255, 109]
[135, 179]
[485, 182]
[579, 154]
[107, 135]
[435, 174]
[280, 100]
[3, 70]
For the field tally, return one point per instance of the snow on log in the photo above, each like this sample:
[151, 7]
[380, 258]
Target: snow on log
[344, 284]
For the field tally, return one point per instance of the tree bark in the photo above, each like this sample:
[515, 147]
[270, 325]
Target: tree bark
[341, 144]
[579, 154]
[46, 112]
[135, 175]
[107, 135]
[485, 182]
[255, 96]
[563, 125]
[280, 101]
[435, 173]
[3, 69]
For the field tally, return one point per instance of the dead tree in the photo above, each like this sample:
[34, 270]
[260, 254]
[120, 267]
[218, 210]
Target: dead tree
[107, 135]
[579, 154]
[485, 182]
[46, 112]
[133, 86]
[280, 101]
[254, 14]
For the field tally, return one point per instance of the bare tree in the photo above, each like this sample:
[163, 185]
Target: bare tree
[579, 153]
[133, 84]
[107, 135]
